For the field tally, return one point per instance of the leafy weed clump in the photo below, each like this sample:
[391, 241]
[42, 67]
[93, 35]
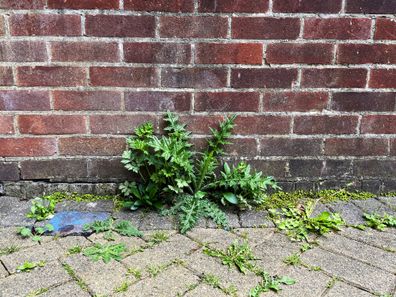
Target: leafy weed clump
[105, 252]
[29, 266]
[379, 222]
[123, 227]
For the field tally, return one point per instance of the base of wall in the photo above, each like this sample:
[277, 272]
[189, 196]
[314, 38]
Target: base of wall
[30, 189]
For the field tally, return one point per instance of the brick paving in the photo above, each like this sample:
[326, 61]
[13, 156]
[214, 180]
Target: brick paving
[348, 263]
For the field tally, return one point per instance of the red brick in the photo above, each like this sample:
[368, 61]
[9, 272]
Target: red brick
[22, 4]
[229, 53]
[356, 147]
[334, 78]
[118, 124]
[6, 77]
[262, 125]
[378, 124]
[157, 101]
[51, 76]
[200, 124]
[123, 76]
[194, 78]
[2, 29]
[393, 147]
[29, 100]
[23, 51]
[385, 29]
[383, 78]
[290, 147]
[45, 25]
[325, 124]
[308, 53]
[156, 52]
[227, 101]
[85, 4]
[370, 6]
[337, 28]
[263, 78]
[231, 6]
[85, 51]
[6, 124]
[160, 5]
[246, 147]
[295, 101]
[91, 146]
[270, 167]
[367, 101]
[55, 170]
[120, 25]
[87, 100]
[265, 28]
[51, 124]
[307, 6]
[366, 54]
[193, 26]
[27, 147]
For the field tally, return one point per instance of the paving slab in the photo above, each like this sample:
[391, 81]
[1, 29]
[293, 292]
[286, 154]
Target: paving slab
[353, 271]
[9, 237]
[13, 212]
[70, 289]
[205, 290]
[372, 237]
[21, 284]
[390, 201]
[93, 206]
[215, 238]
[252, 218]
[257, 236]
[349, 212]
[341, 289]
[374, 206]
[3, 271]
[153, 221]
[72, 241]
[130, 242]
[319, 208]
[135, 217]
[233, 221]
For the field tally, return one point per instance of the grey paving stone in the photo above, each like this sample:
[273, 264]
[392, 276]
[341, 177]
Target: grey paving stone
[205, 290]
[254, 218]
[130, 242]
[148, 235]
[175, 280]
[3, 271]
[257, 236]
[372, 237]
[9, 237]
[135, 217]
[204, 264]
[233, 221]
[360, 251]
[374, 206]
[153, 220]
[72, 241]
[349, 212]
[390, 201]
[94, 206]
[361, 274]
[70, 289]
[21, 284]
[342, 289]
[319, 208]
[13, 212]
[100, 278]
[216, 238]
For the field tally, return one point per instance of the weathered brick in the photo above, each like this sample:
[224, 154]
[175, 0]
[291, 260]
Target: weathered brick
[265, 28]
[263, 78]
[9, 171]
[229, 53]
[378, 124]
[157, 101]
[393, 147]
[307, 53]
[108, 169]
[366, 54]
[356, 147]
[118, 124]
[45, 25]
[307, 6]
[22, 4]
[230, 6]
[290, 147]
[51, 124]
[269, 167]
[50, 76]
[194, 78]
[120, 25]
[306, 168]
[29, 100]
[84, 51]
[325, 124]
[227, 101]
[338, 168]
[383, 78]
[91, 146]
[334, 78]
[86, 4]
[27, 147]
[369, 6]
[123, 76]
[58, 169]
[295, 101]
[2, 29]
[246, 147]
[6, 124]
[87, 100]
[159, 5]
[385, 29]
[337, 28]
[23, 51]
[364, 101]
[262, 125]
[374, 168]
[199, 124]
[6, 77]
[156, 52]
[193, 26]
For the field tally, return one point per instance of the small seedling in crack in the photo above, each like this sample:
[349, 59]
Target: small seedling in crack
[293, 260]
[29, 266]
[137, 273]
[70, 271]
[37, 292]
[158, 237]
[122, 288]
[36, 232]
[9, 250]
[154, 270]
[211, 280]
[332, 282]
[105, 252]
[74, 250]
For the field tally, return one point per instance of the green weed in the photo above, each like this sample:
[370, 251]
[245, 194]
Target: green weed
[105, 252]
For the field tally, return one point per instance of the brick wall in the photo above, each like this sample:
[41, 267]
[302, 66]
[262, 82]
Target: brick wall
[313, 83]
